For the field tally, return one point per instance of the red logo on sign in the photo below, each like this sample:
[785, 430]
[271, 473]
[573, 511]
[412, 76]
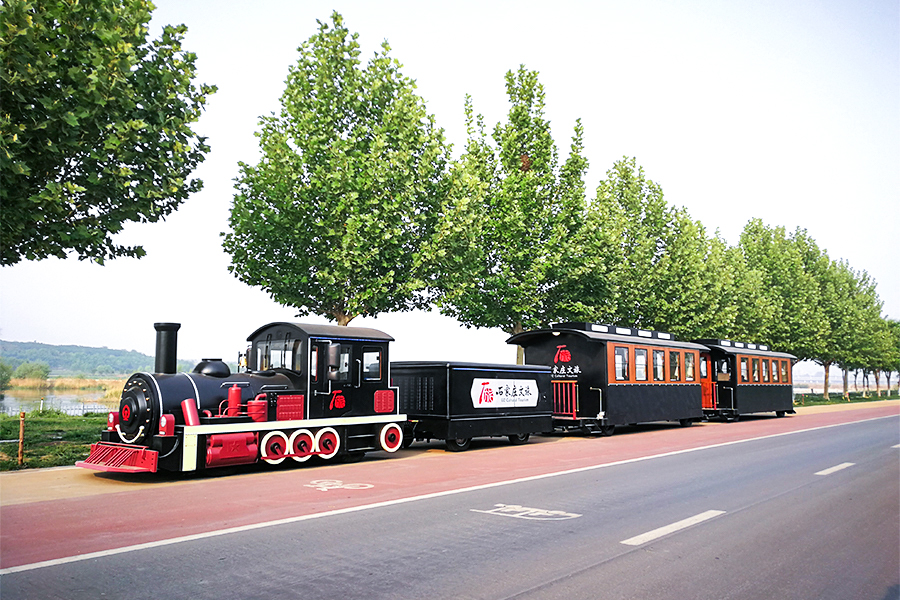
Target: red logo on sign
[337, 400]
[487, 394]
[562, 355]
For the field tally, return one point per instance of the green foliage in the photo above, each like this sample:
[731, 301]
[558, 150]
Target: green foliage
[333, 217]
[516, 222]
[6, 371]
[787, 266]
[32, 370]
[95, 126]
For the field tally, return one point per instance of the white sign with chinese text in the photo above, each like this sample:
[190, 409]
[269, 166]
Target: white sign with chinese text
[504, 393]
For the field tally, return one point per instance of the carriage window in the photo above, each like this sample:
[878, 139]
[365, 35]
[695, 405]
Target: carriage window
[765, 370]
[689, 366]
[745, 369]
[621, 358]
[675, 366]
[704, 367]
[756, 369]
[371, 364]
[659, 365]
[784, 372]
[314, 364]
[775, 371]
[640, 364]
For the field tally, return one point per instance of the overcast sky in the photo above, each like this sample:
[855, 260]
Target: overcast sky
[784, 110]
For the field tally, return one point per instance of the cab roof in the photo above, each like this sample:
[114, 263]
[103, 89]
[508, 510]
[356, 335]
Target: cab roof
[310, 330]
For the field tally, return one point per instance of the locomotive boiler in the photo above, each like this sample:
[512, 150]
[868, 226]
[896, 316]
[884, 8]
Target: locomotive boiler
[304, 390]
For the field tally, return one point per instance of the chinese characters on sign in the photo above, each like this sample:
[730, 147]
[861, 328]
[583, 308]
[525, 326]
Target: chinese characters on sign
[504, 393]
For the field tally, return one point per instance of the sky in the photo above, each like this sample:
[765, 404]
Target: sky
[785, 111]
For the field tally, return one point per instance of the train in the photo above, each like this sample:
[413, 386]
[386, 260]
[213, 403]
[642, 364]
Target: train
[304, 391]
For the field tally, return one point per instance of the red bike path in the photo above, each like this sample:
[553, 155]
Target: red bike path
[67, 512]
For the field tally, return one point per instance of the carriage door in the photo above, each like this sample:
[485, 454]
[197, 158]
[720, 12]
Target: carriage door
[329, 378]
[707, 385]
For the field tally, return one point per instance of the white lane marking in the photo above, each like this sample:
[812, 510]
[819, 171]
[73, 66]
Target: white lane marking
[835, 468]
[666, 530]
[352, 509]
[517, 511]
[323, 485]
[897, 446]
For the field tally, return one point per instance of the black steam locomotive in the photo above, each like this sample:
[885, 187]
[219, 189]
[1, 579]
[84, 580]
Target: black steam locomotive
[324, 391]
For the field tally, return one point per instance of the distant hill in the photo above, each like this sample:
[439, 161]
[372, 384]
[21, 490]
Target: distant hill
[80, 360]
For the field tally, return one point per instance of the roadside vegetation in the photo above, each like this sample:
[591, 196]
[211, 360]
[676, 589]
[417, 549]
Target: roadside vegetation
[52, 438]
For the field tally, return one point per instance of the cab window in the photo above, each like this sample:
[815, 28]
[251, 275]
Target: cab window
[371, 364]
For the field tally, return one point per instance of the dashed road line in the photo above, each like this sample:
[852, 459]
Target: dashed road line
[835, 468]
[659, 532]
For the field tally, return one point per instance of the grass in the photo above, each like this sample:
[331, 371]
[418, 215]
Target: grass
[67, 383]
[52, 438]
[835, 397]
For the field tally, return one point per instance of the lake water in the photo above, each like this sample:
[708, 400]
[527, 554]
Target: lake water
[73, 402]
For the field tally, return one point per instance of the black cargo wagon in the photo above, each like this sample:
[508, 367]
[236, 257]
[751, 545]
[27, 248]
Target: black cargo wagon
[458, 401]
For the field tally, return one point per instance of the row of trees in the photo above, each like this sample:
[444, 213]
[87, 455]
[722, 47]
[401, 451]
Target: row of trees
[357, 208]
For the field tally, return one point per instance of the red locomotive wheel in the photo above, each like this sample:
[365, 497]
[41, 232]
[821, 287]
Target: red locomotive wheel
[391, 437]
[302, 444]
[328, 442]
[274, 447]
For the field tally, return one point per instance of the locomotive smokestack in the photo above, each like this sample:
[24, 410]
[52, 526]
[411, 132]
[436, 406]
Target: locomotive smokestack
[166, 347]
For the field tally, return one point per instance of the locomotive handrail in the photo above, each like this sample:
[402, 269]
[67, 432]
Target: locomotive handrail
[132, 440]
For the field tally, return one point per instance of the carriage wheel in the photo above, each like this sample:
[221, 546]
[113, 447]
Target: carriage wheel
[391, 437]
[519, 438]
[274, 447]
[458, 444]
[328, 442]
[302, 445]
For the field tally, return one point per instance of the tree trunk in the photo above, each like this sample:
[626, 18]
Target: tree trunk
[342, 318]
[878, 383]
[827, 365]
[520, 351]
[846, 385]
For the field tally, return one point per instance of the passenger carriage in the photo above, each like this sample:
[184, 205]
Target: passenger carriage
[604, 376]
[740, 378]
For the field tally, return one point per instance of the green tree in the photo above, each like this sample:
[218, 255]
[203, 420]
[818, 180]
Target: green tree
[6, 373]
[798, 325]
[95, 126]
[333, 218]
[32, 370]
[526, 240]
[668, 275]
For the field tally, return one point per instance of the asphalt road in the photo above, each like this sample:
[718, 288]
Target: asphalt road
[813, 513]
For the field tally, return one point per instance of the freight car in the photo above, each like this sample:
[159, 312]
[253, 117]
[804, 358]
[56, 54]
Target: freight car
[457, 401]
